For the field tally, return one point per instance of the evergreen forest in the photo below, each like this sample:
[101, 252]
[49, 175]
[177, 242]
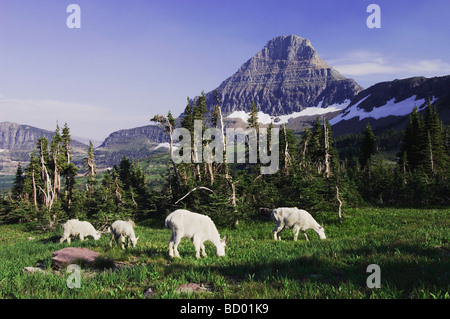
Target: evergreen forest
[409, 168]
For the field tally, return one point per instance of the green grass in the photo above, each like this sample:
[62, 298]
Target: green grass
[410, 246]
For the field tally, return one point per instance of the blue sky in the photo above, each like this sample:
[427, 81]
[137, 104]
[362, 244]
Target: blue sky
[133, 59]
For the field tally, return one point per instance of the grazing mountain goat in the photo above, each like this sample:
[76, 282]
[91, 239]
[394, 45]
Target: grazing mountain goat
[199, 228]
[123, 230]
[74, 227]
[298, 219]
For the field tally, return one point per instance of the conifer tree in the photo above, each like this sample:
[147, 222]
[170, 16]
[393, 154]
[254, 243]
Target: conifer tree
[32, 172]
[19, 183]
[57, 161]
[367, 147]
[200, 108]
[414, 142]
[253, 128]
[304, 147]
[69, 170]
[436, 157]
[216, 113]
[316, 148]
[188, 119]
[253, 117]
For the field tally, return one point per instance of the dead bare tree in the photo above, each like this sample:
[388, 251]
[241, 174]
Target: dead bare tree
[49, 195]
[57, 175]
[340, 205]
[228, 177]
[193, 190]
[327, 153]
[165, 121]
[33, 182]
[287, 157]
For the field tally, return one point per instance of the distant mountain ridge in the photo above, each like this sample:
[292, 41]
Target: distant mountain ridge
[135, 143]
[17, 141]
[386, 105]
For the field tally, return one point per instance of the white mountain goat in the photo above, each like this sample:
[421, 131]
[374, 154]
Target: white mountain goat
[199, 228]
[74, 227]
[123, 230]
[298, 219]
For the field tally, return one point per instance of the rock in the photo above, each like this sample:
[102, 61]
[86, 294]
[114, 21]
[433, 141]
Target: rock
[33, 270]
[193, 287]
[30, 238]
[149, 293]
[66, 256]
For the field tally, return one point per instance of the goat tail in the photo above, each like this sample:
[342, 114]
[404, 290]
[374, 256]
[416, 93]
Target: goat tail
[168, 223]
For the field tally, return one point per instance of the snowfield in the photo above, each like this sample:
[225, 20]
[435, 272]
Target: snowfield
[166, 145]
[391, 108]
[264, 118]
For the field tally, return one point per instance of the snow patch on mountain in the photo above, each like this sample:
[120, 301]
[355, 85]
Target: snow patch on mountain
[391, 108]
[166, 145]
[264, 118]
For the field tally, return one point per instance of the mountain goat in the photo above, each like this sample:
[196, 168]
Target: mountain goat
[199, 228]
[74, 227]
[123, 230]
[298, 219]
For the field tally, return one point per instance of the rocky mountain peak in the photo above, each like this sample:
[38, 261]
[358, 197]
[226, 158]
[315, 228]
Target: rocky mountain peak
[286, 76]
[291, 48]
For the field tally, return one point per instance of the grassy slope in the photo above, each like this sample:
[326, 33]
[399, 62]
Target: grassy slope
[411, 247]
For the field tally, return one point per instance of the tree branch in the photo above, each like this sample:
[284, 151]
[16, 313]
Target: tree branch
[192, 190]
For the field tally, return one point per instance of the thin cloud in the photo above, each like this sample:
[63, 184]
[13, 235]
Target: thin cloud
[358, 69]
[364, 63]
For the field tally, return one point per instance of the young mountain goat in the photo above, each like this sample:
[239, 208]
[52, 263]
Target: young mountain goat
[298, 219]
[123, 230]
[74, 227]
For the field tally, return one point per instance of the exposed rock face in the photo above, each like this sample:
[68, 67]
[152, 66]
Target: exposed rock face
[17, 141]
[151, 133]
[134, 143]
[286, 76]
[14, 136]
